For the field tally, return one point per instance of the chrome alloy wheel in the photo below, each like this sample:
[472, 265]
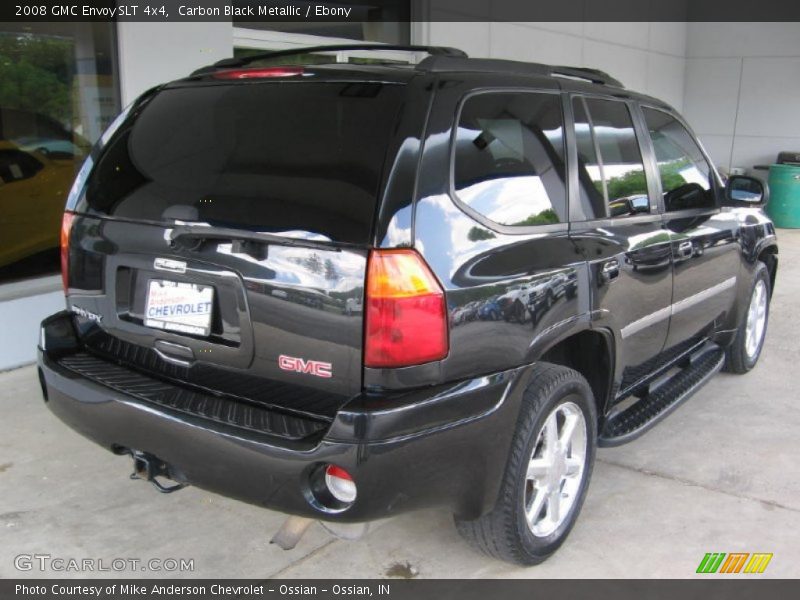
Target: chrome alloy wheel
[555, 469]
[756, 319]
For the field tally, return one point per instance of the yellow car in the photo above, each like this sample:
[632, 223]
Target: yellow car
[33, 190]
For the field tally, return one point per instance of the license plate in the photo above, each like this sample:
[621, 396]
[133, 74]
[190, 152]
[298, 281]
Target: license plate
[178, 306]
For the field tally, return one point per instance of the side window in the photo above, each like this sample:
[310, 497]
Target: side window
[610, 166]
[509, 158]
[685, 174]
[16, 165]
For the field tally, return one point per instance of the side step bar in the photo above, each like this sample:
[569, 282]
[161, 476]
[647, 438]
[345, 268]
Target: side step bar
[662, 400]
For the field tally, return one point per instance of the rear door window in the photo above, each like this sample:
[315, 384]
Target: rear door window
[509, 158]
[610, 167]
[273, 157]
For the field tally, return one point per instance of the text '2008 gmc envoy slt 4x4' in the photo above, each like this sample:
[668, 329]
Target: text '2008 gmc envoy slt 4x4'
[346, 291]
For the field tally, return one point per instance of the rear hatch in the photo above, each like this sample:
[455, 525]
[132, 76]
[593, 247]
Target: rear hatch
[222, 231]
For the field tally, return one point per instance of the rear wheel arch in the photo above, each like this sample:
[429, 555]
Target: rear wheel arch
[590, 353]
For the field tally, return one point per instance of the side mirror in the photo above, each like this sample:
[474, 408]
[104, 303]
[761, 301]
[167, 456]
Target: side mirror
[741, 190]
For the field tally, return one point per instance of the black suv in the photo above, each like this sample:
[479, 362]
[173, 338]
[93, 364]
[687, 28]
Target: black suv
[346, 291]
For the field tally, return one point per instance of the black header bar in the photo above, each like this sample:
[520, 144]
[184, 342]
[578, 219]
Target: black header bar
[243, 11]
[739, 588]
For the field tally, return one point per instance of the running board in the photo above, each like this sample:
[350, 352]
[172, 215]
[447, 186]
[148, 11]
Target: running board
[663, 399]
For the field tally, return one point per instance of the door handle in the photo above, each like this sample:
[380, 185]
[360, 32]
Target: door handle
[685, 249]
[610, 270]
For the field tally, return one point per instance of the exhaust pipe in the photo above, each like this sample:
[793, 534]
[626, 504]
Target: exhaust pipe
[291, 531]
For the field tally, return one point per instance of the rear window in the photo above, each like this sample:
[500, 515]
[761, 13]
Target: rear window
[304, 158]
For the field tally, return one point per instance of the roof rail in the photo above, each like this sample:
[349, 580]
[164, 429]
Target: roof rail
[593, 75]
[442, 58]
[443, 63]
[246, 60]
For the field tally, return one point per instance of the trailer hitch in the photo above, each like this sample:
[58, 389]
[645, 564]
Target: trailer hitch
[148, 467]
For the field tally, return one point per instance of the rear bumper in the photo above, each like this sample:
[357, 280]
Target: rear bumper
[444, 446]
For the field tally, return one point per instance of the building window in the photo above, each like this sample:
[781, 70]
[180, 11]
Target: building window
[58, 92]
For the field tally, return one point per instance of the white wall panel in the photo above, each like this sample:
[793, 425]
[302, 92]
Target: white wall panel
[629, 65]
[711, 94]
[665, 78]
[21, 318]
[668, 37]
[769, 103]
[622, 34]
[520, 42]
[743, 82]
[719, 147]
[471, 37]
[722, 40]
[153, 53]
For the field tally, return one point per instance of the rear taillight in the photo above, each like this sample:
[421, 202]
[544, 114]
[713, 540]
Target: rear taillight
[258, 73]
[66, 227]
[406, 316]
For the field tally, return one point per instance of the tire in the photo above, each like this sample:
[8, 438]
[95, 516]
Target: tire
[505, 532]
[743, 354]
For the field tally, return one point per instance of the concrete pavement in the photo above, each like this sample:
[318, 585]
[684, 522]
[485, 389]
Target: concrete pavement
[721, 474]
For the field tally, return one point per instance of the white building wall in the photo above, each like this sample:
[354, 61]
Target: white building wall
[646, 57]
[743, 90]
[153, 53]
[19, 322]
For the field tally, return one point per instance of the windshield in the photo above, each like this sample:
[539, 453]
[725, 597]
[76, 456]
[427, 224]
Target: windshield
[302, 157]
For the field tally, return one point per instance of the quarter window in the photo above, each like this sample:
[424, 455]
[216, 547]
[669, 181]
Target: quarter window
[684, 172]
[509, 158]
[610, 167]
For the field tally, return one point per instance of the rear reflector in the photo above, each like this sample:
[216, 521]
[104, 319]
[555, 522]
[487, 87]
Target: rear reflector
[66, 228]
[406, 317]
[258, 73]
[340, 484]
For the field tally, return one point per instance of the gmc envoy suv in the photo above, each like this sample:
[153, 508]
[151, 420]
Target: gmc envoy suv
[345, 291]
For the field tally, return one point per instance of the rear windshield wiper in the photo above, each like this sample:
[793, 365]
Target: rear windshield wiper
[250, 242]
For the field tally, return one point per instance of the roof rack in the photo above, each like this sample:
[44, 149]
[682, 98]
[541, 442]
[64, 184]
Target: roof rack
[246, 60]
[593, 75]
[457, 63]
[440, 59]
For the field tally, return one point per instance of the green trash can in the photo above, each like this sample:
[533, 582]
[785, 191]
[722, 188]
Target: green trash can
[784, 195]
